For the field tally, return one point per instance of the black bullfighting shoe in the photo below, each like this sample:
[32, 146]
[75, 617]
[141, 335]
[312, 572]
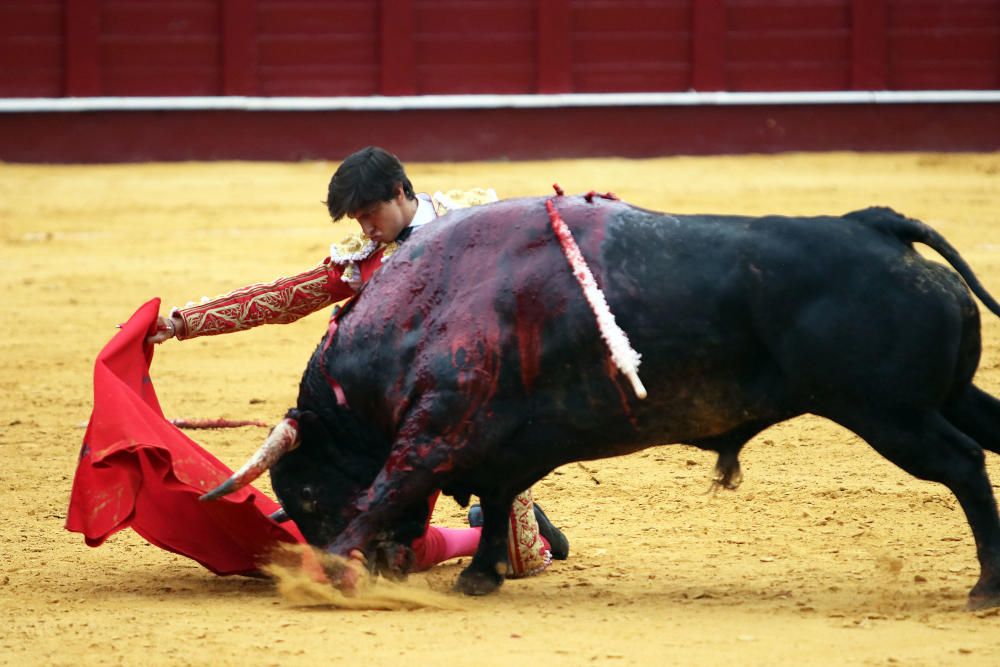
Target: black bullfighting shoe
[475, 516]
[558, 544]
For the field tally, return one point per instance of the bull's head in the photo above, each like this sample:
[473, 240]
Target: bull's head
[317, 484]
[315, 477]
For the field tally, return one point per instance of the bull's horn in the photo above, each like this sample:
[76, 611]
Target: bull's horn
[283, 439]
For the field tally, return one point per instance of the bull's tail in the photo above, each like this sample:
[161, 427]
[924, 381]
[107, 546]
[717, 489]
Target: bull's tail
[909, 230]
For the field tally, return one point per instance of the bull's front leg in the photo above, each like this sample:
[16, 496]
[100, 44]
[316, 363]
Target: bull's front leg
[405, 482]
[486, 572]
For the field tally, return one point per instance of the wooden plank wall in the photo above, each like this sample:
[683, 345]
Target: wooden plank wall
[34, 45]
[55, 48]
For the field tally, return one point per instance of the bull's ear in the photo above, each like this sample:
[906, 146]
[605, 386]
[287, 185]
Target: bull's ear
[313, 429]
[310, 425]
[353, 458]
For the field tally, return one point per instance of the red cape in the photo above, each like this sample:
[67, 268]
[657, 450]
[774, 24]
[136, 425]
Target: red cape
[139, 471]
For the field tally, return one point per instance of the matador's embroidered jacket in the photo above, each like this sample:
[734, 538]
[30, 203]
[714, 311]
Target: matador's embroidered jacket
[350, 264]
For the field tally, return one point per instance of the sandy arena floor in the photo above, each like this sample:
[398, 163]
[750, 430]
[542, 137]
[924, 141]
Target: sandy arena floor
[826, 555]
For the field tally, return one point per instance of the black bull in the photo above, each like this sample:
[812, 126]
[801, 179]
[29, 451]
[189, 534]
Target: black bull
[472, 363]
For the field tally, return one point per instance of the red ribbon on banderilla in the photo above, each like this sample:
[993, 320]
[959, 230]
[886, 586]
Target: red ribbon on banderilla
[622, 353]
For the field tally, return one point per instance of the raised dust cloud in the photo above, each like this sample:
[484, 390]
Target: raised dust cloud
[299, 574]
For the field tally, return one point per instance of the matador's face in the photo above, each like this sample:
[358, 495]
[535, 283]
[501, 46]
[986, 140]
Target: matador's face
[383, 221]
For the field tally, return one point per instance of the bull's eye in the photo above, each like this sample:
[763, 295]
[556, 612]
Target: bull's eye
[308, 499]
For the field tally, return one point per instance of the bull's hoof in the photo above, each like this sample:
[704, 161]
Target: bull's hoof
[475, 582]
[982, 600]
[347, 574]
[392, 560]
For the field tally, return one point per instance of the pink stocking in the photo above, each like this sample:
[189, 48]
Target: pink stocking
[440, 544]
[528, 550]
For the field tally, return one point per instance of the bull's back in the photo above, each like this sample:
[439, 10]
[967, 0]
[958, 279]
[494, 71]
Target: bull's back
[482, 308]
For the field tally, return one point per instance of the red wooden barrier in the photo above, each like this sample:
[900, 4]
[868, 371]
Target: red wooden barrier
[396, 39]
[555, 54]
[404, 47]
[364, 48]
[708, 53]
[83, 62]
[489, 134]
[239, 48]
[868, 45]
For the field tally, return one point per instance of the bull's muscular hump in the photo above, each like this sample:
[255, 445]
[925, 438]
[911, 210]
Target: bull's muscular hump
[473, 364]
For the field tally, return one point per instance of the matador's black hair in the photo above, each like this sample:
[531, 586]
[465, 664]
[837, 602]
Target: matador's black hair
[366, 177]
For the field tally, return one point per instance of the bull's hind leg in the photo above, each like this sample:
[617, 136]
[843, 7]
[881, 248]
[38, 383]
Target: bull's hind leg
[728, 474]
[486, 571]
[976, 413]
[931, 448]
